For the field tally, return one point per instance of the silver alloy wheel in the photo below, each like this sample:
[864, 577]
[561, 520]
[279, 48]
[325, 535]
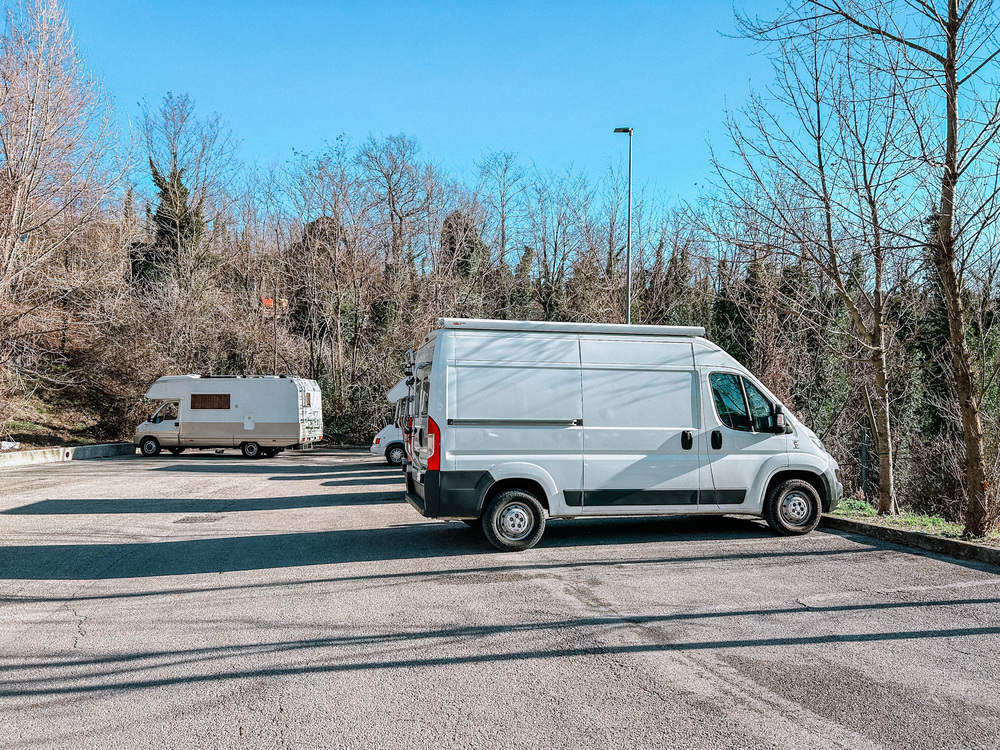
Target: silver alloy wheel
[795, 508]
[515, 522]
[396, 455]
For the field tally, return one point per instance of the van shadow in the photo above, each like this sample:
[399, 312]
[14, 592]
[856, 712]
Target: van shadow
[75, 506]
[417, 541]
[651, 529]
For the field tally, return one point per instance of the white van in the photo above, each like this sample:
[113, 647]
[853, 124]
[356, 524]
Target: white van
[389, 441]
[515, 421]
[258, 415]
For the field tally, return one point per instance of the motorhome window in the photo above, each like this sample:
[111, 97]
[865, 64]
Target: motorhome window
[308, 399]
[209, 400]
[169, 412]
[760, 408]
[729, 402]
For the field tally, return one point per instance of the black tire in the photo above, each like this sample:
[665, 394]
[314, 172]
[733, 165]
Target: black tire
[251, 450]
[394, 454]
[149, 447]
[269, 452]
[176, 451]
[792, 507]
[514, 520]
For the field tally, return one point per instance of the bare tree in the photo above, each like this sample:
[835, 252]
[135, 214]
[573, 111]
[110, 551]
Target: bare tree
[933, 53]
[58, 167]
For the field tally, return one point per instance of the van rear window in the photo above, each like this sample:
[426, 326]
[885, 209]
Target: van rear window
[209, 400]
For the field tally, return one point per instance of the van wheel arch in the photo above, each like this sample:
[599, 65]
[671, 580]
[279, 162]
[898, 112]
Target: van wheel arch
[806, 476]
[528, 485]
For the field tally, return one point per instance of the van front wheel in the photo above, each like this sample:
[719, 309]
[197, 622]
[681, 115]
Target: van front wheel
[792, 507]
[150, 446]
[514, 520]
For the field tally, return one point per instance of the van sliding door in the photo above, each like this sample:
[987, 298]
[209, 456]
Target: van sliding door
[642, 439]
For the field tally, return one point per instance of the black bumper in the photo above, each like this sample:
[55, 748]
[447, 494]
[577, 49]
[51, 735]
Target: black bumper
[448, 494]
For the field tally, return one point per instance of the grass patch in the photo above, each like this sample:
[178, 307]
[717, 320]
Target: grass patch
[860, 510]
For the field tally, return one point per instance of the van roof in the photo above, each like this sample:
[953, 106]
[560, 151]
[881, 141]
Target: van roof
[544, 326]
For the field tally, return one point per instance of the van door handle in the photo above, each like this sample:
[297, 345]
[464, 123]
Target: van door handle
[717, 439]
[177, 424]
[687, 440]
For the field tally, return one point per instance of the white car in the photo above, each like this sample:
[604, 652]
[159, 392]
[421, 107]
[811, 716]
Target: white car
[516, 421]
[389, 443]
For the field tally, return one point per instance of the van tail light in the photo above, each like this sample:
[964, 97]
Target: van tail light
[433, 445]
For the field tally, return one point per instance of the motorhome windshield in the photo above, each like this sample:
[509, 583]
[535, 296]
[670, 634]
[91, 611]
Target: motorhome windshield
[166, 413]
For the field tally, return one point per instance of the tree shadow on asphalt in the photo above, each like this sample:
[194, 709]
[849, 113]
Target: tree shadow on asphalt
[230, 465]
[99, 506]
[419, 541]
[129, 671]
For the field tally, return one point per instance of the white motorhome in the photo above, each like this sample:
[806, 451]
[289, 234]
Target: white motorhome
[514, 422]
[389, 441]
[258, 415]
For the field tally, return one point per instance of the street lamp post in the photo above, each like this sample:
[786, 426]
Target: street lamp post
[628, 245]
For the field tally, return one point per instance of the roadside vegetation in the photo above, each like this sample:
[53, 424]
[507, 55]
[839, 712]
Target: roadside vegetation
[846, 253]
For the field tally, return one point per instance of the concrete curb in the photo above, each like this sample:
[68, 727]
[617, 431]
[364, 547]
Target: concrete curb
[950, 547]
[75, 453]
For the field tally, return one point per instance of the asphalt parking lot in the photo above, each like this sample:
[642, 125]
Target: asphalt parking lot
[211, 601]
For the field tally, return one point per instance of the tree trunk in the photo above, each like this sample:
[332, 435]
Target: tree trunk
[977, 515]
[883, 436]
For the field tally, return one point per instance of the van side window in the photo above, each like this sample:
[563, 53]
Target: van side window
[729, 403]
[760, 408]
[209, 400]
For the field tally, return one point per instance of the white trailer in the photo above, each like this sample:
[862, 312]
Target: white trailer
[516, 421]
[389, 441]
[258, 415]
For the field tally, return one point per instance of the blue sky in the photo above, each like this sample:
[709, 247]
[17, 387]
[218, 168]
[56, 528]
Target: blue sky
[547, 80]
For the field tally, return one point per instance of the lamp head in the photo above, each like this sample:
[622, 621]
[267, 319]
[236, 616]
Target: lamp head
[624, 130]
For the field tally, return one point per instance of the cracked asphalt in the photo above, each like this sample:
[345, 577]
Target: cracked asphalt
[209, 601]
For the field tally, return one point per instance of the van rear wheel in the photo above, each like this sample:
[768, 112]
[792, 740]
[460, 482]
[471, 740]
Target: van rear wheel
[514, 520]
[250, 450]
[792, 507]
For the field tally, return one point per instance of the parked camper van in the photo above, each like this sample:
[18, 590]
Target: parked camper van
[514, 422]
[258, 415]
[389, 441]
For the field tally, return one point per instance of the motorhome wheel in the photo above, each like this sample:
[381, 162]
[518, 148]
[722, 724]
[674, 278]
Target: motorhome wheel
[150, 446]
[250, 450]
[514, 520]
[792, 507]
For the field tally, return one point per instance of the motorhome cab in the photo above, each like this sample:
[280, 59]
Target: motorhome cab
[258, 415]
[389, 441]
[514, 422]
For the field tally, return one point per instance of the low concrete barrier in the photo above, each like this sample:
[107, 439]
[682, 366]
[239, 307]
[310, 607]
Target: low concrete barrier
[950, 547]
[68, 453]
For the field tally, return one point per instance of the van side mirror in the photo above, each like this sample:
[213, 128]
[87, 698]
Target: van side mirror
[781, 424]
